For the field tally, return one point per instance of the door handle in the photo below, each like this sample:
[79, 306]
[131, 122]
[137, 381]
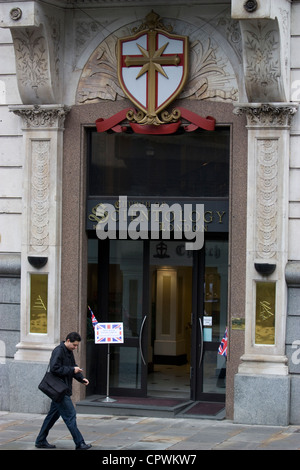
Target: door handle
[140, 339]
[201, 342]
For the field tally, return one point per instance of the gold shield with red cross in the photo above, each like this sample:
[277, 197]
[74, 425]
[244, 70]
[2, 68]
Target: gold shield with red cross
[152, 70]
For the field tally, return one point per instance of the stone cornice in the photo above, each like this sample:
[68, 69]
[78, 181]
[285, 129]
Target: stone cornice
[42, 116]
[267, 114]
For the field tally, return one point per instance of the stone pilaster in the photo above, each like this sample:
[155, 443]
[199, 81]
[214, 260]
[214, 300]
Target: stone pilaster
[264, 361]
[41, 224]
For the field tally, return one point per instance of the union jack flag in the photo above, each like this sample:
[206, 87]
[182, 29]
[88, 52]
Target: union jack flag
[94, 319]
[223, 346]
[109, 333]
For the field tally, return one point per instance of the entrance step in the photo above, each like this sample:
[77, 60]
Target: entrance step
[133, 406]
[150, 407]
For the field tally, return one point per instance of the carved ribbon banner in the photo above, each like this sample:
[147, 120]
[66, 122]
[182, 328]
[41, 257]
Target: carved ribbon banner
[114, 123]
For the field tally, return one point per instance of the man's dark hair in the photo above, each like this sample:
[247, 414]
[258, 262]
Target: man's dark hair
[73, 337]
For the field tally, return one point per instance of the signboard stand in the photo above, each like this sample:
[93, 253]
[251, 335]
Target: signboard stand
[108, 333]
[108, 399]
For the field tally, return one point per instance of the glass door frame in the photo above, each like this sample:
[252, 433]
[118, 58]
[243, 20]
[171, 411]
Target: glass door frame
[131, 342]
[198, 346]
[197, 321]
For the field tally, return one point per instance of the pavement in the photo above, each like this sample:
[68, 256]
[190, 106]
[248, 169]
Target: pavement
[156, 437]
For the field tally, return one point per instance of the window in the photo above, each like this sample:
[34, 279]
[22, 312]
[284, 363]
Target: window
[182, 165]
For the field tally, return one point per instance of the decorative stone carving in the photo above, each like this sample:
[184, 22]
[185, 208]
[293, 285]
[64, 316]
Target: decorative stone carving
[46, 116]
[15, 14]
[250, 6]
[267, 231]
[40, 202]
[85, 31]
[267, 115]
[31, 61]
[41, 220]
[99, 78]
[262, 60]
[232, 31]
[209, 76]
[262, 118]
[40, 118]
[265, 36]
[266, 198]
[36, 72]
[206, 69]
[36, 38]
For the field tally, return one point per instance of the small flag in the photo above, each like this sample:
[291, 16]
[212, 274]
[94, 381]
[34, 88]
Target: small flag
[223, 346]
[94, 319]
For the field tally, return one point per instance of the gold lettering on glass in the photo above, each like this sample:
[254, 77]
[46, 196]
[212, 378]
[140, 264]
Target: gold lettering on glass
[265, 313]
[38, 303]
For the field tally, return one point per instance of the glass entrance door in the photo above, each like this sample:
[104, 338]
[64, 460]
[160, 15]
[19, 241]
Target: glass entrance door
[124, 298]
[173, 305]
[189, 317]
[169, 350]
[210, 295]
[128, 302]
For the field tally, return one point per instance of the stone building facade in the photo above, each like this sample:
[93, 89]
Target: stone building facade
[58, 76]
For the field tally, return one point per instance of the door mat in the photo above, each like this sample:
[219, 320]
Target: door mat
[204, 408]
[146, 401]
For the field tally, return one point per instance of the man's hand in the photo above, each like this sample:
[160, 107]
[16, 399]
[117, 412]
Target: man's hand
[85, 381]
[77, 369]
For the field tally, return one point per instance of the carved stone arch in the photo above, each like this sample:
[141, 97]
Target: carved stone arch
[212, 75]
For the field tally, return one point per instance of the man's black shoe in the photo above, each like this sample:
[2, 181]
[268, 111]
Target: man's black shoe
[45, 445]
[83, 446]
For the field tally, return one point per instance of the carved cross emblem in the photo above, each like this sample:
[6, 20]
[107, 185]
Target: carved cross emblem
[152, 69]
[151, 62]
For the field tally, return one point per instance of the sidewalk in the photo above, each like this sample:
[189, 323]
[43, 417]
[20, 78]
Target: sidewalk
[112, 434]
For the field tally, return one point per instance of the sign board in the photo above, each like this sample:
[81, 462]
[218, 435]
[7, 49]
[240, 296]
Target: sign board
[207, 321]
[109, 333]
[215, 211]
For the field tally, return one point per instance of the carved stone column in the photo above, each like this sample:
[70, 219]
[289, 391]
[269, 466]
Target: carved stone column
[41, 230]
[262, 385]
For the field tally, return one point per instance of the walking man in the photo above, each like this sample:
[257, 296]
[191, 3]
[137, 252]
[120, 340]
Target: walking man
[62, 364]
